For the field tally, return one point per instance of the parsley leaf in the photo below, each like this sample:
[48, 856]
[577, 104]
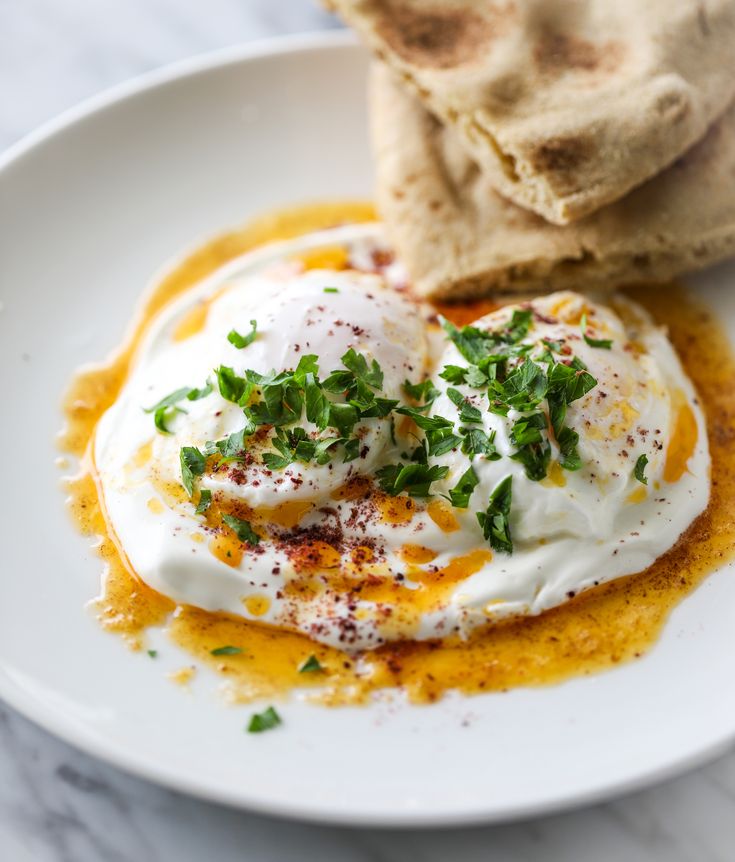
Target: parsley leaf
[311, 665]
[442, 440]
[266, 720]
[317, 403]
[205, 501]
[455, 373]
[226, 650]
[169, 400]
[308, 364]
[165, 409]
[476, 442]
[535, 458]
[423, 393]
[569, 456]
[231, 448]
[426, 423]
[605, 343]
[343, 417]
[519, 325]
[467, 411]
[231, 386]
[242, 529]
[196, 394]
[163, 415]
[357, 364]
[524, 388]
[639, 470]
[414, 478]
[570, 381]
[193, 463]
[474, 344]
[495, 520]
[462, 491]
[527, 430]
[534, 451]
[240, 341]
[282, 401]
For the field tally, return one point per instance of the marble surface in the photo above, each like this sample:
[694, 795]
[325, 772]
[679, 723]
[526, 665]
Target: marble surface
[58, 805]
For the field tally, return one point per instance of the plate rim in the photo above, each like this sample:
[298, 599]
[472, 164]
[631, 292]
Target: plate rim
[194, 64]
[87, 740]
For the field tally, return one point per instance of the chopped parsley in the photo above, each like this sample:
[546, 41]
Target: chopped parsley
[414, 478]
[462, 491]
[311, 665]
[193, 463]
[569, 458]
[241, 529]
[331, 290]
[467, 411]
[266, 720]
[495, 520]
[531, 382]
[232, 387]
[604, 343]
[477, 345]
[205, 501]
[163, 416]
[226, 650]
[476, 442]
[153, 653]
[357, 364]
[165, 409]
[423, 393]
[230, 448]
[240, 341]
[639, 471]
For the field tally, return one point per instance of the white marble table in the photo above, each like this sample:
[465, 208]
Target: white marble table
[58, 805]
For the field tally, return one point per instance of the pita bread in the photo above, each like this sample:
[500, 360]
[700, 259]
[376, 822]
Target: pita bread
[460, 239]
[566, 104]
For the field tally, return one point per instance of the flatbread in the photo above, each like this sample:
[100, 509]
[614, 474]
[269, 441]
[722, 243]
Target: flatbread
[460, 239]
[566, 104]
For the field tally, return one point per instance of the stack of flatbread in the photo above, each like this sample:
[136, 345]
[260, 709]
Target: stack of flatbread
[547, 144]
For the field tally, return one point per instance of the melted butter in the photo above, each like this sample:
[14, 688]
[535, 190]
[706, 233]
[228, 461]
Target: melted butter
[183, 676]
[416, 554]
[442, 514]
[143, 455]
[467, 312]
[314, 556]
[682, 443]
[257, 606]
[328, 257]
[599, 629]
[395, 510]
[155, 506]
[195, 319]
[287, 514]
[227, 548]
[555, 475]
[355, 489]
[457, 569]
[126, 606]
[638, 496]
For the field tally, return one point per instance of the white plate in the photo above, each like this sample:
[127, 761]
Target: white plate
[89, 207]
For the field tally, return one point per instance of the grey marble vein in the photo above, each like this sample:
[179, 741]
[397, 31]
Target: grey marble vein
[59, 805]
